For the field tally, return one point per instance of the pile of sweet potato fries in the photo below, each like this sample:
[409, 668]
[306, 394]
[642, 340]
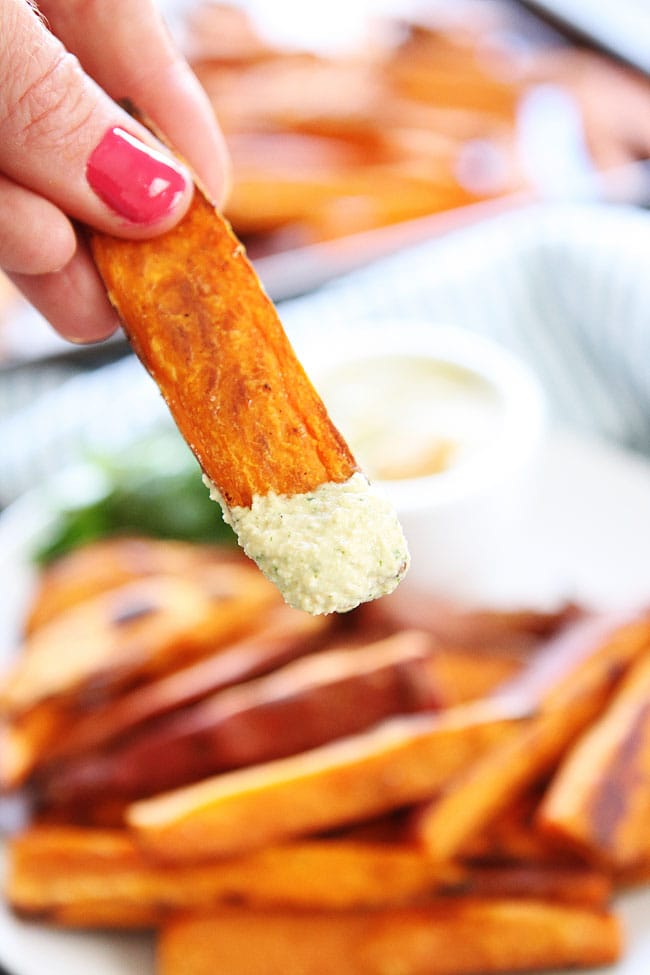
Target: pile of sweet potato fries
[410, 788]
[422, 117]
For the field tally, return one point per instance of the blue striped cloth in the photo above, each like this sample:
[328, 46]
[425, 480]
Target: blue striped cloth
[566, 288]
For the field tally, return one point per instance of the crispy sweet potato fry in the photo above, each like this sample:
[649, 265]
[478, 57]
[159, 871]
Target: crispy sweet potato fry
[213, 342]
[599, 798]
[471, 937]
[570, 682]
[143, 628]
[323, 697]
[402, 761]
[90, 877]
[200, 321]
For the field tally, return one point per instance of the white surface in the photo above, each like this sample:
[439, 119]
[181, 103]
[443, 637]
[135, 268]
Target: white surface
[588, 537]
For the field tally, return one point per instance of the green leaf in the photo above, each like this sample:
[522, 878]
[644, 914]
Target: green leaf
[154, 488]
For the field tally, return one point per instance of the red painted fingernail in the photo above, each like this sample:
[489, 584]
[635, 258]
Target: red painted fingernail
[135, 181]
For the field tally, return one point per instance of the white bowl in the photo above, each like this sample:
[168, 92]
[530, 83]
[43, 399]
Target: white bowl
[461, 523]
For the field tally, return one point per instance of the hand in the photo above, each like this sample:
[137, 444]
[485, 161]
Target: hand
[69, 153]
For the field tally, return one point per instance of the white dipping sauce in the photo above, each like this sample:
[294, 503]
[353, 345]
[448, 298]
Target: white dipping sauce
[326, 551]
[411, 416]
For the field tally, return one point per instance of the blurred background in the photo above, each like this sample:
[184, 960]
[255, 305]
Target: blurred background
[390, 123]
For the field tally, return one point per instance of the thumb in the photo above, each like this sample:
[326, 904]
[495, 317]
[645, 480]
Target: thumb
[64, 139]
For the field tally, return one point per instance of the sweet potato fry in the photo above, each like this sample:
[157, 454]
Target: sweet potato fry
[599, 799]
[384, 195]
[471, 937]
[143, 628]
[199, 320]
[323, 697]
[402, 761]
[91, 877]
[56, 729]
[471, 801]
[107, 564]
[214, 344]
[570, 682]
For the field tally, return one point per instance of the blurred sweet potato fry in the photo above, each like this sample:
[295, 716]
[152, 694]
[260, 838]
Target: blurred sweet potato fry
[335, 204]
[143, 628]
[510, 631]
[107, 564]
[455, 938]
[513, 838]
[402, 761]
[91, 877]
[320, 698]
[444, 825]
[280, 635]
[26, 738]
[438, 70]
[599, 799]
[465, 675]
[569, 684]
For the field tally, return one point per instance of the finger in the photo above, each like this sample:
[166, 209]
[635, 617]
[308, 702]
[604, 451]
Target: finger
[110, 40]
[73, 300]
[35, 236]
[61, 136]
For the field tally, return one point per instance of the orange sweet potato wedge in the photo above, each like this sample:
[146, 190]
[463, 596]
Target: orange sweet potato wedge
[281, 634]
[198, 318]
[141, 629]
[599, 798]
[322, 697]
[80, 877]
[200, 321]
[570, 683]
[401, 761]
[107, 563]
[55, 730]
[468, 937]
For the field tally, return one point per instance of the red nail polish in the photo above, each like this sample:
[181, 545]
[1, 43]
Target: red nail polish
[135, 181]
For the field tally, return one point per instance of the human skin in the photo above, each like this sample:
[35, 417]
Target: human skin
[71, 156]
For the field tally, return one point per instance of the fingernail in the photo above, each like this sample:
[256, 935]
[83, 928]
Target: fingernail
[135, 181]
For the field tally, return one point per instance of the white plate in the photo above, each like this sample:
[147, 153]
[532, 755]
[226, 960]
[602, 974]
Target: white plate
[588, 538]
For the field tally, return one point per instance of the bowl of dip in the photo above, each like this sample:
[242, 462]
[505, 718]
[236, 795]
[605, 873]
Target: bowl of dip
[450, 426]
